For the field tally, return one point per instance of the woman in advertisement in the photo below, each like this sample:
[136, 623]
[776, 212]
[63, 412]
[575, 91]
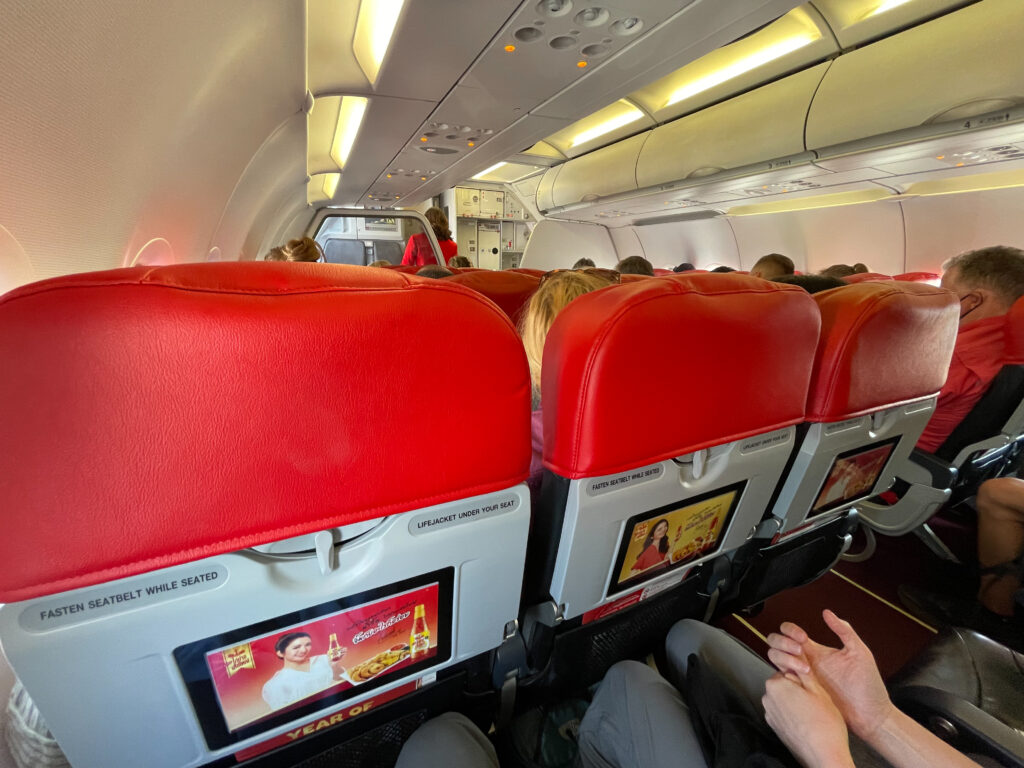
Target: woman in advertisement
[301, 675]
[655, 550]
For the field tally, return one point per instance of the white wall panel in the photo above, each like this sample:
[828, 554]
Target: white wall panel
[557, 245]
[943, 226]
[626, 242]
[871, 233]
[702, 243]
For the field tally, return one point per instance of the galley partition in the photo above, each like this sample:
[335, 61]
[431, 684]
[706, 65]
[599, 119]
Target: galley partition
[669, 415]
[226, 530]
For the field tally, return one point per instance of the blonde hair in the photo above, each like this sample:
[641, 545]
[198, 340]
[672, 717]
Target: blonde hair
[555, 293]
[276, 254]
[303, 249]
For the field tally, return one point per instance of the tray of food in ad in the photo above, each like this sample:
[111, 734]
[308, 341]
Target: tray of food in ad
[378, 664]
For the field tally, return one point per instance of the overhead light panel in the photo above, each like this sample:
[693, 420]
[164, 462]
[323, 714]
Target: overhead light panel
[627, 114]
[375, 26]
[887, 5]
[811, 202]
[331, 184]
[979, 182]
[745, 64]
[350, 117]
[492, 169]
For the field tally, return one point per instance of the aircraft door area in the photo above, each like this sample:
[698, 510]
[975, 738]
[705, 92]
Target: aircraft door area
[362, 239]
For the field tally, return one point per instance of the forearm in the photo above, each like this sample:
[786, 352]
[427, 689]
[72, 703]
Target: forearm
[907, 744]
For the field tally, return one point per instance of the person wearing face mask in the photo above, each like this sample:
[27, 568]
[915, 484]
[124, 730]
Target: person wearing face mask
[987, 281]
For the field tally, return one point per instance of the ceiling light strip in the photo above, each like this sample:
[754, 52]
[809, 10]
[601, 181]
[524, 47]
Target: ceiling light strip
[375, 26]
[350, 118]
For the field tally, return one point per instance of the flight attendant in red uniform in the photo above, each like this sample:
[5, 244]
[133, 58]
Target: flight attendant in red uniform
[418, 250]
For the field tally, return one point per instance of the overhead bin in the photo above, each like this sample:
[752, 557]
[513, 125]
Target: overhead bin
[757, 126]
[957, 66]
[608, 171]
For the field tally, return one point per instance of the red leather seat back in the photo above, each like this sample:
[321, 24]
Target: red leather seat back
[408, 269]
[866, 277]
[881, 344]
[639, 373]
[509, 290]
[635, 278]
[1014, 351]
[154, 416]
[528, 271]
[917, 277]
[659, 271]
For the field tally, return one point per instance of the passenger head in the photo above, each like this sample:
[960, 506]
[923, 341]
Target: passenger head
[379, 263]
[556, 290]
[684, 267]
[460, 262]
[811, 283]
[286, 644]
[843, 270]
[276, 254]
[583, 263]
[723, 269]
[303, 249]
[771, 266]
[435, 271]
[987, 281]
[439, 223]
[635, 265]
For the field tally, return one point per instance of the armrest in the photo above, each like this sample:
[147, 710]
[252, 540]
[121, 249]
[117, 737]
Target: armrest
[977, 730]
[942, 474]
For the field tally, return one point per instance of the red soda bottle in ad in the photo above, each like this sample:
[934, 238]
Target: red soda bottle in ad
[419, 638]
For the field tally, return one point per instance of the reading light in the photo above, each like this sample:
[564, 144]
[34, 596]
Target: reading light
[737, 68]
[350, 117]
[375, 26]
[629, 115]
[581, 64]
[493, 168]
[510, 48]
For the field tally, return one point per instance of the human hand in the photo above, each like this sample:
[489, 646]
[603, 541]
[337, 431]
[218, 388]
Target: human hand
[848, 674]
[807, 721]
[335, 658]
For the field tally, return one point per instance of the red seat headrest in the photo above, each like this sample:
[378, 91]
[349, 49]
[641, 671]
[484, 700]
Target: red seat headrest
[881, 344]
[866, 277]
[628, 278]
[639, 373]
[1014, 352]
[509, 290]
[158, 416]
[917, 277]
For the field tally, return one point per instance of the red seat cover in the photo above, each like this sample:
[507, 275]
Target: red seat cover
[866, 277]
[509, 290]
[639, 373]
[881, 344]
[154, 416]
[917, 277]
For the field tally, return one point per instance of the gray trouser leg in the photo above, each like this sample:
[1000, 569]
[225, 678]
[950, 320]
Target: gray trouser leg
[638, 720]
[448, 741]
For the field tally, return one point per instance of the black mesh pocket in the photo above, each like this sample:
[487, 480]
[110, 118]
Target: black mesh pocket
[377, 748]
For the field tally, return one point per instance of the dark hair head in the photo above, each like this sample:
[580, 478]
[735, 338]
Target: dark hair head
[840, 270]
[635, 265]
[723, 269]
[684, 267]
[811, 283]
[773, 265]
[285, 640]
[439, 223]
[435, 271]
[999, 268]
[459, 261]
[584, 263]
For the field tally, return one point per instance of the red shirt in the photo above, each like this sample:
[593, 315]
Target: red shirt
[977, 358]
[649, 558]
[419, 252]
